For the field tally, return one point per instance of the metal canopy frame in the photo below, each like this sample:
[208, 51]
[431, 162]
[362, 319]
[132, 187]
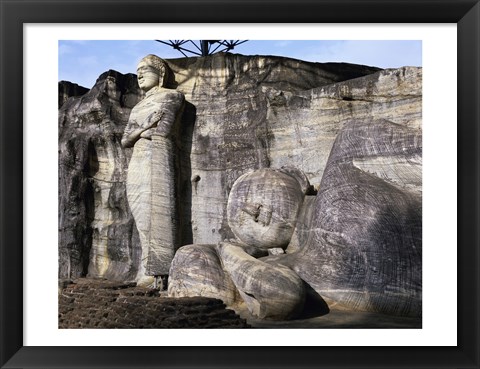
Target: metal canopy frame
[204, 47]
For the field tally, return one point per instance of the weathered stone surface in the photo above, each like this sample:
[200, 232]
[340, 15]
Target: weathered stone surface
[270, 291]
[359, 240]
[152, 178]
[365, 246]
[97, 234]
[305, 127]
[262, 210]
[263, 206]
[255, 125]
[197, 271]
[250, 113]
[245, 113]
[68, 89]
[302, 229]
[228, 127]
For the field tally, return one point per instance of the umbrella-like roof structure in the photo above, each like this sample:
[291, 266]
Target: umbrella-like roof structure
[202, 47]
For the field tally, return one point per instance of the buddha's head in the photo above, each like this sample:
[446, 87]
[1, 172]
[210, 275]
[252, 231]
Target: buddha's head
[263, 206]
[152, 71]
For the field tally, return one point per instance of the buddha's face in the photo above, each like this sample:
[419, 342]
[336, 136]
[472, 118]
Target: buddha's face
[148, 77]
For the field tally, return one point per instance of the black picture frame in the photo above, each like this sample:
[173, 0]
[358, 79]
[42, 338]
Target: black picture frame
[465, 13]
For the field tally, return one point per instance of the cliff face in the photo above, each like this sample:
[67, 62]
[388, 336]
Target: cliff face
[255, 112]
[241, 113]
[97, 234]
[68, 89]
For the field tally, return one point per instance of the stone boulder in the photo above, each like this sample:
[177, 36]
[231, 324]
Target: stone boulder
[270, 290]
[68, 89]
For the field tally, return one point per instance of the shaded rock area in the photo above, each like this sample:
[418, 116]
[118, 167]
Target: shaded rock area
[337, 318]
[68, 89]
[88, 303]
[97, 234]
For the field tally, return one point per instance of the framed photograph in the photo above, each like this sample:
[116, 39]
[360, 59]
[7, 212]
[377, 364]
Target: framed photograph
[446, 335]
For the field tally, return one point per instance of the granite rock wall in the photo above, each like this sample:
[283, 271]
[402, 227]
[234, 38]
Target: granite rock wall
[68, 89]
[97, 235]
[241, 113]
[364, 244]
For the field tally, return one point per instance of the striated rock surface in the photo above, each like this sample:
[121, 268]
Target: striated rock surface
[225, 131]
[262, 210]
[245, 113]
[358, 243]
[263, 207]
[365, 246]
[152, 179]
[307, 123]
[250, 112]
[197, 271]
[97, 234]
[247, 117]
[270, 291]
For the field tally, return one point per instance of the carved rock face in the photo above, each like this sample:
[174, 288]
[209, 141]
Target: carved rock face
[244, 113]
[263, 206]
[148, 77]
[364, 249]
[197, 271]
[151, 180]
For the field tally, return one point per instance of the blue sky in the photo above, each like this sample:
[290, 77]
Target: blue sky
[82, 61]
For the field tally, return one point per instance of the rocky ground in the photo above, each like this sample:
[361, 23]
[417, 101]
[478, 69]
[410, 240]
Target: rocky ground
[89, 303]
[93, 303]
